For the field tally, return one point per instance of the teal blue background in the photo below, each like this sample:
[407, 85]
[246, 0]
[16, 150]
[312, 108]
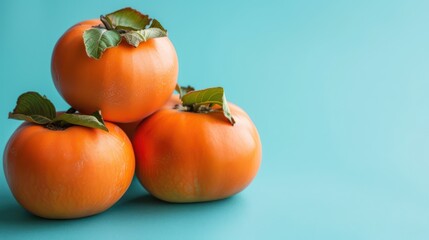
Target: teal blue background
[338, 90]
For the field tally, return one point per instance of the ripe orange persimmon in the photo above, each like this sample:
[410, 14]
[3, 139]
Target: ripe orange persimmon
[70, 173]
[127, 83]
[191, 157]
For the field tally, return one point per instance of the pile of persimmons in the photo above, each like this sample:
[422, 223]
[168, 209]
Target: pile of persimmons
[118, 73]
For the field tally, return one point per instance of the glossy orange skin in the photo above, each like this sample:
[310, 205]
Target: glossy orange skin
[127, 83]
[72, 173]
[195, 157]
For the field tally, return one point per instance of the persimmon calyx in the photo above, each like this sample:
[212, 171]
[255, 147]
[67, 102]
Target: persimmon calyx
[204, 101]
[126, 23]
[35, 108]
[183, 90]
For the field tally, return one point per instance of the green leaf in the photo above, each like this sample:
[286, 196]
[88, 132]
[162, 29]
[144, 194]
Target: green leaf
[183, 90]
[91, 121]
[97, 40]
[33, 107]
[38, 119]
[156, 24]
[208, 97]
[97, 114]
[128, 19]
[134, 38]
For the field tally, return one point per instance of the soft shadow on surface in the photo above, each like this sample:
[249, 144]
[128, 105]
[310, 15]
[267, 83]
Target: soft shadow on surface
[148, 200]
[149, 206]
[138, 200]
[13, 216]
[136, 204]
[10, 213]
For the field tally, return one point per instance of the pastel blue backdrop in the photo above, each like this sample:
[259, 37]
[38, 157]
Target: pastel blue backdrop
[338, 90]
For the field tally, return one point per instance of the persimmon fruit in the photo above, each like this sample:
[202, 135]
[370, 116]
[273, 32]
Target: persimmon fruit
[185, 156]
[127, 83]
[70, 173]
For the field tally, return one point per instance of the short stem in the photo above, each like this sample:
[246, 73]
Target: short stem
[194, 108]
[56, 126]
[105, 22]
[182, 108]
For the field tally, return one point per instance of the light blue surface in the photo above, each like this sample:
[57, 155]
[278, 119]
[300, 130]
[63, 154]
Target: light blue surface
[337, 89]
